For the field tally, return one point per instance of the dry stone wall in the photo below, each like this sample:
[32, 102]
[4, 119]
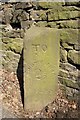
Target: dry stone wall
[17, 17]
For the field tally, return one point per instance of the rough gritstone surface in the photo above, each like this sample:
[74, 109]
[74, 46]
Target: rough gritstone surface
[41, 66]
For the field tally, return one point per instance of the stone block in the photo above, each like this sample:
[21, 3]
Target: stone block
[46, 24]
[63, 73]
[38, 15]
[50, 5]
[70, 36]
[59, 15]
[63, 55]
[19, 15]
[66, 46]
[68, 67]
[52, 15]
[69, 24]
[41, 65]
[69, 83]
[72, 3]
[77, 47]
[13, 33]
[51, 25]
[11, 44]
[23, 5]
[10, 61]
[74, 57]
[41, 24]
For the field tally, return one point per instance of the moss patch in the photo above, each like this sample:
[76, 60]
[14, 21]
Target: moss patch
[74, 57]
[47, 5]
[59, 15]
[69, 83]
[15, 44]
[69, 24]
[69, 36]
[10, 60]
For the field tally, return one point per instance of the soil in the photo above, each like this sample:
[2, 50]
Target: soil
[12, 105]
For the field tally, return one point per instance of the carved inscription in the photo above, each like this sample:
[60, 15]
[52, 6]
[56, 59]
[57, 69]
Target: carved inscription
[38, 72]
[44, 47]
[38, 47]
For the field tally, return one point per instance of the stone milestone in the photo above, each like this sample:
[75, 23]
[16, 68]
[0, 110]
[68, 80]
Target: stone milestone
[41, 65]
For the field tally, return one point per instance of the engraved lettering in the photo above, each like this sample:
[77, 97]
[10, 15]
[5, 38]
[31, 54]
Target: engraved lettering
[38, 72]
[38, 78]
[44, 48]
[36, 46]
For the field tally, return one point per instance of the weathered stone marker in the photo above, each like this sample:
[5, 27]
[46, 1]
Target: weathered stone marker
[41, 62]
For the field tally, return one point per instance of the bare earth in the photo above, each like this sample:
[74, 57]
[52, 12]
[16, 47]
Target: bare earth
[12, 106]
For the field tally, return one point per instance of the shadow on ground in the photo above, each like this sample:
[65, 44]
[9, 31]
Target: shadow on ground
[20, 76]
